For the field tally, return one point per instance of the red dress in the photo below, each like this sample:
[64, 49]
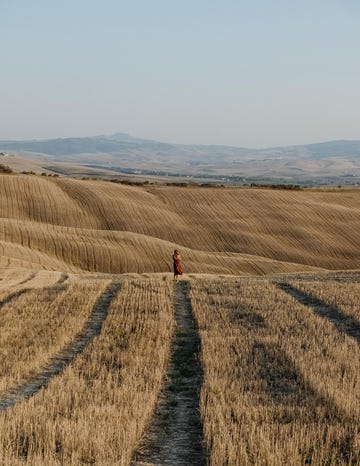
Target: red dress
[177, 265]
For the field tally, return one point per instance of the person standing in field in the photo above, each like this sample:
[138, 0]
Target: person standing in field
[178, 270]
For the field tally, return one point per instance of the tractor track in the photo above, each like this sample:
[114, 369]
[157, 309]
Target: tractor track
[175, 435]
[57, 364]
[343, 322]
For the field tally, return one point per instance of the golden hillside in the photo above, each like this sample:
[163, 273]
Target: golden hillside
[73, 225]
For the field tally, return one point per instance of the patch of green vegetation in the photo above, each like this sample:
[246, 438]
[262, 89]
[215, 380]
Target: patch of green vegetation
[182, 363]
[5, 169]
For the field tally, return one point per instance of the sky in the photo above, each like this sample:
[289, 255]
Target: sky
[254, 73]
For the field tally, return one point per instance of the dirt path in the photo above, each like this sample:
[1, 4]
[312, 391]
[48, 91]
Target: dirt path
[175, 436]
[345, 323]
[65, 357]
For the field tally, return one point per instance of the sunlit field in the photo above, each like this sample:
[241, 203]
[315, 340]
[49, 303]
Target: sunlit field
[97, 226]
[281, 384]
[252, 358]
[96, 411]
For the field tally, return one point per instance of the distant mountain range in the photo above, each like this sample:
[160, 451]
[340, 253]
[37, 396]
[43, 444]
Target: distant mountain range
[328, 161]
[120, 141]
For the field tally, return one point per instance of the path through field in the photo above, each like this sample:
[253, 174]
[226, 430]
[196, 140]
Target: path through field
[60, 361]
[175, 436]
[345, 323]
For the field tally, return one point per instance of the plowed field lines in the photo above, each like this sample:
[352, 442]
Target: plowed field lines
[68, 224]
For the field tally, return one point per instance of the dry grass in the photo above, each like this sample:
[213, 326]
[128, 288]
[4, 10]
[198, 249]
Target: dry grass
[97, 410]
[120, 252]
[15, 255]
[38, 324]
[63, 224]
[12, 279]
[15, 281]
[281, 385]
[343, 296]
[13, 276]
[21, 164]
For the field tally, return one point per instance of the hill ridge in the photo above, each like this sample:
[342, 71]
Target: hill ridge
[69, 225]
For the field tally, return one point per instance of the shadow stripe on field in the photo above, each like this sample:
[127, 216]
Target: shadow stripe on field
[27, 279]
[12, 296]
[59, 286]
[175, 436]
[342, 321]
[58, 363]
[285, 386]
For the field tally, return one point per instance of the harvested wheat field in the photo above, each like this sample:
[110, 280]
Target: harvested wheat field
[95, 410]
[252, 358]
[281, 383]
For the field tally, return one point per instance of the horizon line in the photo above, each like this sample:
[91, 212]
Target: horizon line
[109, 135]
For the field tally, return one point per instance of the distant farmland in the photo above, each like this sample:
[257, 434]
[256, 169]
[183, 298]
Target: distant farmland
[325, 163]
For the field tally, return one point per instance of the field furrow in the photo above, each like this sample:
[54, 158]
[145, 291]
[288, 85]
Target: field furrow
[73, 249]
[24, 198]
[59, 223]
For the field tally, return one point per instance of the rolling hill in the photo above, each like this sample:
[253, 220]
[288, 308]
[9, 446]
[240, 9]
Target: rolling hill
[97, 226]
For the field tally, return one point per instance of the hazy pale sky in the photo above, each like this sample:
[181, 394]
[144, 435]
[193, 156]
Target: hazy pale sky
[248, 73]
